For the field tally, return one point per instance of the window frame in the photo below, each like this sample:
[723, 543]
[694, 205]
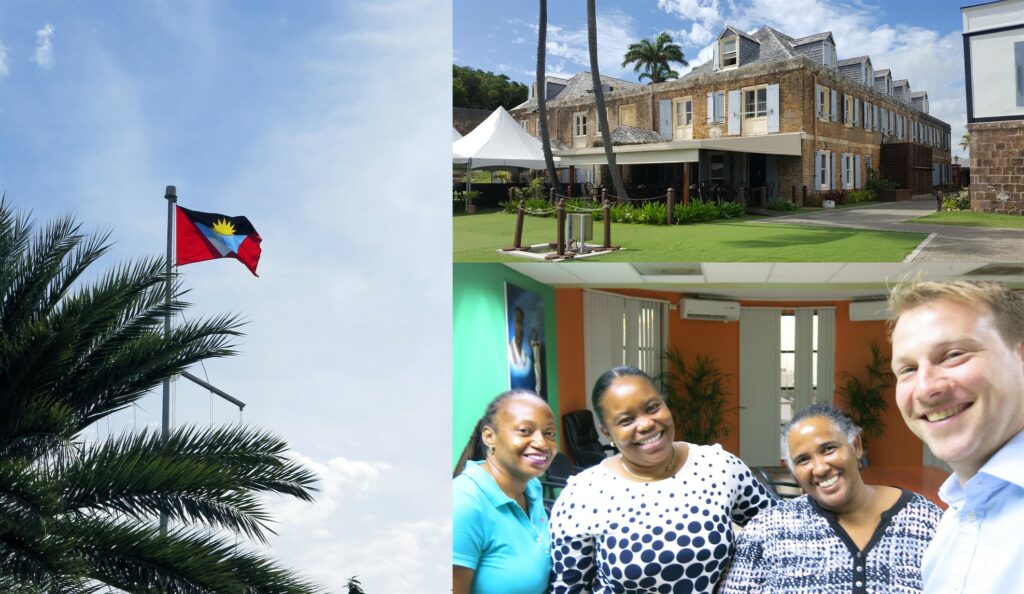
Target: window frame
[760, 101]
[579, 121]
[735, 53]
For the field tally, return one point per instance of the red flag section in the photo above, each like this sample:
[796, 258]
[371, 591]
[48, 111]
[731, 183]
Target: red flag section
[207, 236]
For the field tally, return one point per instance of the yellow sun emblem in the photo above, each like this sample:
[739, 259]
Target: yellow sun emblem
[224, 227]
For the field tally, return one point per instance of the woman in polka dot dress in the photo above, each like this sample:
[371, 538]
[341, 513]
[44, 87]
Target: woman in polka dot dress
[657, 517]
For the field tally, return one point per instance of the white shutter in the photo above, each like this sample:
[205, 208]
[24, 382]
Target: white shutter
[760, 360]
[714, 56]
[856, 111]
[711, 107]
[773, 108]
[832, 113]
[817, 101]
[845, 170]
[734, 113]
[834, 164]
[856, 171]
[665, 118]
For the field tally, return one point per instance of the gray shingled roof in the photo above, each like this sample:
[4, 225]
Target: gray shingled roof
[857, 60]
[582, 85]
[633, 135]
[919, 93]
[882, 72]
[556, 144]
[734, 30]
[900, 83]
[775, 47]
[812, 38]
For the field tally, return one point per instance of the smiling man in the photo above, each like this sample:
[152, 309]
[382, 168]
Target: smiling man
[958, 356]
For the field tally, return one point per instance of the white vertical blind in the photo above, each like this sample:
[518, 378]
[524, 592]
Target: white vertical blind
[826, 355]
[620, 330]
[803, 386]
[760, 361]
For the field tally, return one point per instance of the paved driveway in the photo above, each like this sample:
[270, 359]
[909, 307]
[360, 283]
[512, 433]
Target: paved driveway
[945, 243]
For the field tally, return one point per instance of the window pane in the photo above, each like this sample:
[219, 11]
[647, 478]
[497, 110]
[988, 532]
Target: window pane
[788, 332]
[788, 364]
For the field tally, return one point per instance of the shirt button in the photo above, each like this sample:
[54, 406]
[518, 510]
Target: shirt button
[859, 583]
[971, 517]
[859, 568]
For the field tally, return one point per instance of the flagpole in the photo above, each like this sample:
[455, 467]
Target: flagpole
[171, 195]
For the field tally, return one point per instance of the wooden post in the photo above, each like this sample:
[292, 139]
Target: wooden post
[572, 180]
[551, 196]
[686, 183]
[670, 205]
[561, 227]
[519, 225]
[607, 224]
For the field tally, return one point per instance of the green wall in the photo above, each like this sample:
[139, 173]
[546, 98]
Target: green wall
[479, 360]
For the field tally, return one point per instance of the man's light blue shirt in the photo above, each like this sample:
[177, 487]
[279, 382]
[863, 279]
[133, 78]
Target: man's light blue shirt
[979, 546]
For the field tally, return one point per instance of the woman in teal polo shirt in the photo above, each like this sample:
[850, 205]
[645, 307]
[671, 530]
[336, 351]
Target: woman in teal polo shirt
[499, 527]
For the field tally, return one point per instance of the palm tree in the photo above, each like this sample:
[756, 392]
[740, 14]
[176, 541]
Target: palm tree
[655, 58]
[965, 141]
[542, 102]
[79, 515]
[602, 115]
[354, 587]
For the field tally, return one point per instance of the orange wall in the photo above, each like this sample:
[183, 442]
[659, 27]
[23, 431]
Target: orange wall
[721, 342]
[572, 393]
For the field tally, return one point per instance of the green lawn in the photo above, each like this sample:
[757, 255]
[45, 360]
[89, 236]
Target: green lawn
[477, 237]
[967, 218]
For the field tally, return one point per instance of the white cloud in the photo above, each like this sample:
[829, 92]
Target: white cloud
[503, 68]
[708, 13]
[4, 68]
[614, 35]
[44, 47]
[698, 34]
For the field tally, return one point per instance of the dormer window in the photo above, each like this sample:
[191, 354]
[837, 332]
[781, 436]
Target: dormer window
[730, 53]
[828, 54]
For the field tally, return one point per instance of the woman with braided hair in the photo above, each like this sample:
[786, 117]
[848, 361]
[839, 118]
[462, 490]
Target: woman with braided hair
[499, 526]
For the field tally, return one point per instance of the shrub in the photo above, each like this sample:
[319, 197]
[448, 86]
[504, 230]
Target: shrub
[777, 204]
[471, 195]
[960, 200]
[732, 209]
[651, 213]
[858, 196]
[877, 184]
[535, 190]
[697, 211]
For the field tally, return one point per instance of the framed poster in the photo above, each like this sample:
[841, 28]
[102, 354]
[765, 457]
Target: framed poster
[524, 335]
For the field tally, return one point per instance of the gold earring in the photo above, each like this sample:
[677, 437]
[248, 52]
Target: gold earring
[490, 450]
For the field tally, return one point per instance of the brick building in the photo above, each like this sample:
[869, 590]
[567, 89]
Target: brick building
[994, 63]
[769, 112]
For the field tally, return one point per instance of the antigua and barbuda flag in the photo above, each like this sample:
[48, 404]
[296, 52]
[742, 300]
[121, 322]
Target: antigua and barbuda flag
[207, 236]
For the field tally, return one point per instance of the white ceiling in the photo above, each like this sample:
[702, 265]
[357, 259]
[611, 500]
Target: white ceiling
[761, 281]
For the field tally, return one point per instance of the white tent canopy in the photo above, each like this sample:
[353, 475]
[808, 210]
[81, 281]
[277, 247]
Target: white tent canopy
[499, 141]
[455, 134]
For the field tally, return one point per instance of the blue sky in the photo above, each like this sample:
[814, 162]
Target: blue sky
[299, 120]
[917, 40]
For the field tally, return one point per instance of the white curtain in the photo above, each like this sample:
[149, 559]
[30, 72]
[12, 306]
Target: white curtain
[620, 330]
[760, 362]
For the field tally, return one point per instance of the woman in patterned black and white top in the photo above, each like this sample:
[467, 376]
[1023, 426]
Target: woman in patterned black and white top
[844, 535]
[658, 516]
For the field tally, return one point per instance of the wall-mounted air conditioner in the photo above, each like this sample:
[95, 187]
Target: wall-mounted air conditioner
[868, 311]
[701, 309]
